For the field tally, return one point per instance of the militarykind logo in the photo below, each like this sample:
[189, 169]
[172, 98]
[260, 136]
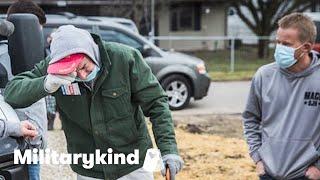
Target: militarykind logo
[48, 156]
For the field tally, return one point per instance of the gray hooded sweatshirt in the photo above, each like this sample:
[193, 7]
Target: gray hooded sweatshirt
[282, 119]
[68, 40]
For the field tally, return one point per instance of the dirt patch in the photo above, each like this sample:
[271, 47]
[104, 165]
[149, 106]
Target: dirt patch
[223, 125]
[209, 156]
[217, 152]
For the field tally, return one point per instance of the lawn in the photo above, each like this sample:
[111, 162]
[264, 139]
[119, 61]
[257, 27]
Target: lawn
[246, 63]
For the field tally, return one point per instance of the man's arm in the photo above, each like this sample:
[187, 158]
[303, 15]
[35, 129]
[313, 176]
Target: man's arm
[27, 87]
[37, 115]
[17, 129]
[9, 128]
[148, 93]
[252, 118]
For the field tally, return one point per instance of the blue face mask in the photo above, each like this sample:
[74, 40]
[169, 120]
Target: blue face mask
[91, 76]
[284, 56]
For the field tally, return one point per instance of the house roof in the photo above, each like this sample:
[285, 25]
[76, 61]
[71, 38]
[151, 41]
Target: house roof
[100, 2]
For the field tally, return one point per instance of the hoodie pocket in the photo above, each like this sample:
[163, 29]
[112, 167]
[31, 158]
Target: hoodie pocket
[287, 158]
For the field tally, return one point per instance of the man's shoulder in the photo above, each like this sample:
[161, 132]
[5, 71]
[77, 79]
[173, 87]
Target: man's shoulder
[267, 69]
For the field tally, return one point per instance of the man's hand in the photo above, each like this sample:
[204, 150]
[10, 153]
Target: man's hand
[313, 173]
[174, 163]
[260, 168]
[28, 130]
[53, 82]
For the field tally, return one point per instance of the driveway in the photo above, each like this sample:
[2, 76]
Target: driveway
[223, 98]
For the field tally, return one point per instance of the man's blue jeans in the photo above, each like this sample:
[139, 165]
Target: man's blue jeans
[34, 171]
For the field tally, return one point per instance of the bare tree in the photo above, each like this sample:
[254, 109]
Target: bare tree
[137, 10]
[261, 16]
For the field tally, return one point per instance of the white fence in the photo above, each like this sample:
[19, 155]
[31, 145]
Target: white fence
[209, 43]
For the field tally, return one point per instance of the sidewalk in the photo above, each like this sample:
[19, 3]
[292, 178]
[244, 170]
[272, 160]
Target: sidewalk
[223, 98]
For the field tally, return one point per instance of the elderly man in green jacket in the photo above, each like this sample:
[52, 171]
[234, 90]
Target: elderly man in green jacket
[103, 92]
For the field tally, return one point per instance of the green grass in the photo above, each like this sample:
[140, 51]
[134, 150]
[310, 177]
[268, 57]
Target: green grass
[246, 63]
[231, 76]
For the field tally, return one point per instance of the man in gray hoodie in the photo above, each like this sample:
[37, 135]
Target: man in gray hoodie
[282, 115]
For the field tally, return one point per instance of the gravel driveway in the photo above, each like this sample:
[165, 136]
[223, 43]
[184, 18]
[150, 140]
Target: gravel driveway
[57, 142]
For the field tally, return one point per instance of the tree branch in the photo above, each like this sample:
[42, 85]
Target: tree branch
[244, 18]
[253, 11]
[300, 8]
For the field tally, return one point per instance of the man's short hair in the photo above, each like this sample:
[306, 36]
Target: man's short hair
[304, 24]
[27, 6]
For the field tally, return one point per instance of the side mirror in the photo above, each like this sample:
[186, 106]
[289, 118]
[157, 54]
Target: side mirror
[3, 77]
[26, 44]
[146, 50]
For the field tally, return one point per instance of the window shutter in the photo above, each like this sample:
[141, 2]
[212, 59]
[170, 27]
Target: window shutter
[173, 20]
[197, 16]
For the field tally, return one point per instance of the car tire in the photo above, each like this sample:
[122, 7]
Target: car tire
[178, 89]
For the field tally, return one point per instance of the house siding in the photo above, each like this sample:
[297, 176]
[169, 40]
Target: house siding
[212, 24]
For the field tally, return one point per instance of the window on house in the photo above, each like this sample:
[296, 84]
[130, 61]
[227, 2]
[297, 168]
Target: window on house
[185, 17]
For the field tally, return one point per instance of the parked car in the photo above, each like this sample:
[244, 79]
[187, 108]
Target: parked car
[125, 22]
[182, 76]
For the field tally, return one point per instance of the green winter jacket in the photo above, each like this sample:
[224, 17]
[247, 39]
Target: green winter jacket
[112, 115]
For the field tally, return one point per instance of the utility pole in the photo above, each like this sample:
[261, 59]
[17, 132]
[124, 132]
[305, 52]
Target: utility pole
[151, 33]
